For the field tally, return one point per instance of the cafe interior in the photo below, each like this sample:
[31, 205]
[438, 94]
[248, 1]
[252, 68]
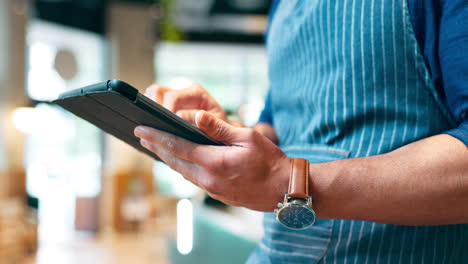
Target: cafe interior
[69, 192]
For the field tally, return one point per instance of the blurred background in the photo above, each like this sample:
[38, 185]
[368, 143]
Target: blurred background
[70, 193]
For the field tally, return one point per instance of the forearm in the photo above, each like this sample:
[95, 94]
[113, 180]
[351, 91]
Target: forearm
[423, 183]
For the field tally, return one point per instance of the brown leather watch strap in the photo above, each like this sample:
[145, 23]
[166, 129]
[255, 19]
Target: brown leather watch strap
[299, 179]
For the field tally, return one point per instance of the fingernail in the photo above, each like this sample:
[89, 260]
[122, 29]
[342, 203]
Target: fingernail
[199, 118]
[144, 143]
[139, 131]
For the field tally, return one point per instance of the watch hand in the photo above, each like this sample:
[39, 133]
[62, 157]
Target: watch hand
[295, 215]
[300, 212]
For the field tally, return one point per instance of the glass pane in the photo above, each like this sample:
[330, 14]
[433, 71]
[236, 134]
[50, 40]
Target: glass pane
[233, 74]
[61, 59]
[62, 152]
[55, 154]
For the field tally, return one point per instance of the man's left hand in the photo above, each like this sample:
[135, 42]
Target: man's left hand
[251, 172]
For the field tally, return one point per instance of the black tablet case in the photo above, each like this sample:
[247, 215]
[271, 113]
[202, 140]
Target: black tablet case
[118, 108]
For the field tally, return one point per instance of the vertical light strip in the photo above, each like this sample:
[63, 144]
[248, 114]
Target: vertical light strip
[338, 242]
[301, 52]
[312, 94]
[329, 70]
[321, 64]
[343, 49]
[184, 226]
[364, 80]
[337, 65]
[396, 102]
[402, 247]
[446, 244]
[384, 72]
[374, 78]
[353, 76]
[312, 44]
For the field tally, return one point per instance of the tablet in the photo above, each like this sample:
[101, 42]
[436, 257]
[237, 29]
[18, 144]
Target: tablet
[117, 108]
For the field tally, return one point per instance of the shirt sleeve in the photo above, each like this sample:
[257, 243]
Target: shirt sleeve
[266, 115]
[453, 57]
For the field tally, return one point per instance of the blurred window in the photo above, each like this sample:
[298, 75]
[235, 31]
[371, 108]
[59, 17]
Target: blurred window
[62, 58]
[236, 75]
[3, 64]
[63, 154]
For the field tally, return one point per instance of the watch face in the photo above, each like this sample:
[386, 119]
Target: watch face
[296, 216]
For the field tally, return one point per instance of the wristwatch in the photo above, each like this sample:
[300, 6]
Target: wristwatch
[296, 210]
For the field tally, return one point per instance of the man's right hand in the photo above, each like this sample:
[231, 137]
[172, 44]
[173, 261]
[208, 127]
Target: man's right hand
[186, 102]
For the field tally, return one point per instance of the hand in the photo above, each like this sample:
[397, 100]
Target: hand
[252, 172]
[186, 102]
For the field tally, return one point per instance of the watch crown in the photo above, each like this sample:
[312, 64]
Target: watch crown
[279, 205]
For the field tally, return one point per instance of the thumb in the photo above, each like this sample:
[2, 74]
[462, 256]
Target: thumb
[217, 128]
[188, 115]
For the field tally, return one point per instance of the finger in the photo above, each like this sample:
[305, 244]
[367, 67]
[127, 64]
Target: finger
[188, 115]
[189, 170]
[204, 155]
[188, 98]
[224, 200]
[184, 167]
[218, 129]
[156, 93]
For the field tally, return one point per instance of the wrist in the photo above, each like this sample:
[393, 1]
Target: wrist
[267, 131]
[279, 177]
[330, 197]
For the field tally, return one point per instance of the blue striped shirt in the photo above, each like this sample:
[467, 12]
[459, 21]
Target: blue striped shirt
[349, 79]
[442, 34]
